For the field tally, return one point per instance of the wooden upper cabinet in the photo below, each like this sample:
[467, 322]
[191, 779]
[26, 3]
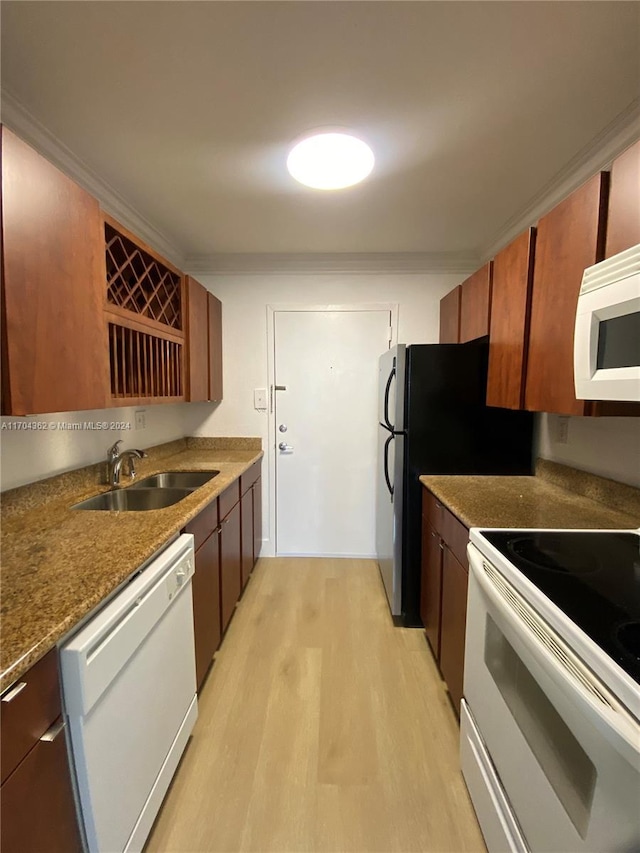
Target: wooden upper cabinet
[569, 239]
[198, 341]
[450, 317]
[509, 328]
[215, 348]
[204, 333]
[55, 353]
[475, 305]
[623, 223]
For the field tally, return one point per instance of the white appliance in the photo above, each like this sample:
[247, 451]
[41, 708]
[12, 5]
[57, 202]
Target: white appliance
[550, 738]
[606, 344]
[129, 689]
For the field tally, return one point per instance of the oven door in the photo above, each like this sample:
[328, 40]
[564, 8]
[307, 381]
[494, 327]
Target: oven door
[565, 753]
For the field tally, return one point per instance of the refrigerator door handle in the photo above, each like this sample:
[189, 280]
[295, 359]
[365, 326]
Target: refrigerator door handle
[386, 463]
[388, 423]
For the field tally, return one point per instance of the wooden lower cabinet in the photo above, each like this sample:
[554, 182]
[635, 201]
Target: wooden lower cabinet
[430, 588]
[251, 512]
[230, 563]
[257, 519]
[453, 622]
[206, 604]
[443, 590]
[246, 512]
[37, 809]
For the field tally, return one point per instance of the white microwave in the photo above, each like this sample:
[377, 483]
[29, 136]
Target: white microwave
[606, 344]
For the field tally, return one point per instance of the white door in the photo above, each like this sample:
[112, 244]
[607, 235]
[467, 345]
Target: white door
[326, 429]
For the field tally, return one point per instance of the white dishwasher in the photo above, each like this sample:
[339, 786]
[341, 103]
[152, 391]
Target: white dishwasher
[129, 687]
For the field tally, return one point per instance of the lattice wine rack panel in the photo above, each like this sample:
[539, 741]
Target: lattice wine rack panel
[144, 365]
[139, 283]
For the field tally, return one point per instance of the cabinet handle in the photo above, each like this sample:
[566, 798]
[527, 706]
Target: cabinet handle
[441, 546]
[218, 529]
[51, 734]
[435, 535]
[438, 506]
[11, 695]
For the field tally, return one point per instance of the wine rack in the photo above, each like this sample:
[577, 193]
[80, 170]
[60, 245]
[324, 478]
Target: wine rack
[144, 312]
[139, 283]
[144, 365]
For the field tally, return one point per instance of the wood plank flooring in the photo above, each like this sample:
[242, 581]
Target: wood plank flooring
[321, 727]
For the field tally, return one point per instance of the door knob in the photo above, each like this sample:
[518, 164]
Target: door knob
[282, 427]
[284, 446]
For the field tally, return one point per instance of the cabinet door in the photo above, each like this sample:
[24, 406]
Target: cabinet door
[246, 514]
[450, 317]
[206, 604]
[475, 305]
[509, 327]
[197, 341]
[569, 238]
[453, 625]
[55, 351]
[430, 588]
[230, 564]
[257, 518]
[623, 221]
[36, 801]
[215, 348]
[27, 709]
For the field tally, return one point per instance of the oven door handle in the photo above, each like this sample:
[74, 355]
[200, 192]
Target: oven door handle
[564, 668]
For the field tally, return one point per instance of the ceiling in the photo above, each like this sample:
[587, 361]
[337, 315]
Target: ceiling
[186, 110]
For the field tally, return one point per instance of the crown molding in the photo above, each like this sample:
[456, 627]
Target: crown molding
[16, 117]
[622, 132]
[327, 263]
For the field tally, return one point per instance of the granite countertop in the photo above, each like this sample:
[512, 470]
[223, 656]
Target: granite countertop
[556, 497]
[58, 564]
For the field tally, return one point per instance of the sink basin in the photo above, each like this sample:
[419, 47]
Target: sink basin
[175, 480]
[134, 500]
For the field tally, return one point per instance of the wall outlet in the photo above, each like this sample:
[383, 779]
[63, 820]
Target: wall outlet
[141, 419]
[562, 436]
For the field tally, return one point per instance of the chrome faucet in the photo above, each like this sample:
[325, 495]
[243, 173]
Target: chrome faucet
[115, 460]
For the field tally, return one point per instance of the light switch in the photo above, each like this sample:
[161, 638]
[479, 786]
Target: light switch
[260, 399]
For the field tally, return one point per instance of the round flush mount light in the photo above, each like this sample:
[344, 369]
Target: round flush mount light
[330, 161]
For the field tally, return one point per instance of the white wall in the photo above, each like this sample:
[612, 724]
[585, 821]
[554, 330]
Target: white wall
[244, 318]
[609, 447]
[33, 454]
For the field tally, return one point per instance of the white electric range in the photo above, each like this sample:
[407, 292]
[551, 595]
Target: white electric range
[550, 731]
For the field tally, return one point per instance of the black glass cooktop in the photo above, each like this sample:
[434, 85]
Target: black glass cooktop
[593, 577]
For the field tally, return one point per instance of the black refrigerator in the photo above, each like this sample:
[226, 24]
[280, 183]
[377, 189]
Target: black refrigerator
[432, 419]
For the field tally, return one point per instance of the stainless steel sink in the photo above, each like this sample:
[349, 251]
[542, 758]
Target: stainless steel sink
[176, 480]
[135, 500]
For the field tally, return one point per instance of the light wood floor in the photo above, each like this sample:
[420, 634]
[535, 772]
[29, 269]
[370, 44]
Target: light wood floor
[321, 728]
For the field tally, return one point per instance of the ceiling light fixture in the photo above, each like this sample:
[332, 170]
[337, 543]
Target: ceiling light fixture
[330, 161]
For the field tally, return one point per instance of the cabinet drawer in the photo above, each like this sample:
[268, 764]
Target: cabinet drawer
[432, 510]
[203, 524]
[249, 477]
[229, 498]
[27, 712]
[455, 536]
